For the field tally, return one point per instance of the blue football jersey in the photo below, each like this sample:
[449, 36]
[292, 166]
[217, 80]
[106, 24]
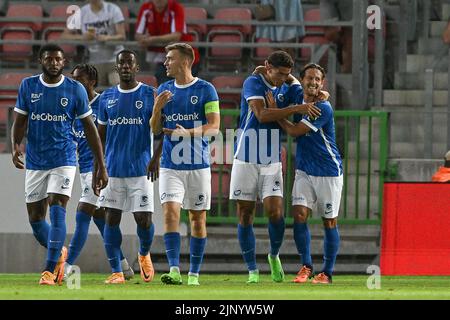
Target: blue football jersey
[317, 152]
[188, 107]
[51, 110]
[85, 156]
[260, 142]
[126, 115]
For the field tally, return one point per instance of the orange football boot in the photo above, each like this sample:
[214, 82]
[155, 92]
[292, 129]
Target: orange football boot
[115, 278]
[322, 278]
[303, 275]
[146, 266]
[47, 278]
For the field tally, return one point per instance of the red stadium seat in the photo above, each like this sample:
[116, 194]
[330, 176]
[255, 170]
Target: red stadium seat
[258, 55]
[197, 30]
[20, 31]
[52, 30]
[228, 82]
[215, 182]
[228, 58]
[147, 79]
[11, 80]
[313, 15]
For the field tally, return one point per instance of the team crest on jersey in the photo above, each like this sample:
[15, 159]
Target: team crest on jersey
[139, 104]
[280, 97]
[194, 99]
[64, 102]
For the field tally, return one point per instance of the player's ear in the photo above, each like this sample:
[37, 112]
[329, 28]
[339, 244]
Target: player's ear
[137, 68]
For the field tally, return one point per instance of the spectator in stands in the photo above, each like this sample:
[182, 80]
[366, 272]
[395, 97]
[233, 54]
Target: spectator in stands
[282, 11]
[101, 21]
[443, 173]
[159, 23]
[340, 10]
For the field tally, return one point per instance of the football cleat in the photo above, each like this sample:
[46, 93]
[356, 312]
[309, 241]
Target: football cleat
[303, 275]
[146, 266]
[47, 278]
[58, 273]
[115, 278]
[276, 269]
[253, 277]
[322, 278]
[171, 278]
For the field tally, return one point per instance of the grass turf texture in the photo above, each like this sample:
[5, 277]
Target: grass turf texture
[223, 287]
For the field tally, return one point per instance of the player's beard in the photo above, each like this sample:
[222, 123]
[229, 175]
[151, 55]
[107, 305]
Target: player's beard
[51, 75]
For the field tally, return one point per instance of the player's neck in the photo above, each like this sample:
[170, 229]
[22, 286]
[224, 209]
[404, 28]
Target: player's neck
[184, 78]
[268, 80]
[92, 94]
[128, 85]
[51, 80]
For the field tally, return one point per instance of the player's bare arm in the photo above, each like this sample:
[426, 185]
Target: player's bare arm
[160, 102]
[100, 174]
[153, 165]
[308, 109]
[18, 132]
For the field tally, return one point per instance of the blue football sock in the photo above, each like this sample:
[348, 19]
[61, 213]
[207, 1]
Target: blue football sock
[276, 235]
[145, 239]
[40, 231]
[302, 239]
[197, 249]
[79, 237]
[330, 248]
[247, 242]
[56, 236]
[113, 240]
[100, 223]
[172, 241]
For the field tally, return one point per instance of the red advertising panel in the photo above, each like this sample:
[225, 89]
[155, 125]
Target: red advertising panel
[415, 234]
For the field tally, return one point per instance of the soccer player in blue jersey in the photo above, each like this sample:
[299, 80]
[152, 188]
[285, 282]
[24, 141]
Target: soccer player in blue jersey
[48, 104]
[318, 178]
[257, 171]
[187, 111]
[123, 125]
[87, 75]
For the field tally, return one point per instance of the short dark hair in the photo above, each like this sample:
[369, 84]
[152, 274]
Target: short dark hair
[89, 69]
[49, 47]
[280, 58]
[312, 66]
[184, 48]
[129, 51]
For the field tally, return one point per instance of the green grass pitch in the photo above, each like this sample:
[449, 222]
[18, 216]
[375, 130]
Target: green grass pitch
[225, 287]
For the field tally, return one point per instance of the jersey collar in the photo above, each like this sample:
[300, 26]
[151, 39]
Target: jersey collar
[94, 98]
[184, 86]
[129, 90]
[51, 85]
[266, 83]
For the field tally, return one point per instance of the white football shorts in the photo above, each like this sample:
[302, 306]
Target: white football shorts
[323, 193]
[87, 193]
[190, 188]
[134, 194]
[39, 183]
[250, 181]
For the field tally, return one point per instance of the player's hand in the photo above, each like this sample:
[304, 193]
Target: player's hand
[89, 36]
[17, 157]
[271, 103]
[101, 180]
[153, 169]
[162, 99]
[309, 109]
[322, 96]
[259, 70]
[180, 131]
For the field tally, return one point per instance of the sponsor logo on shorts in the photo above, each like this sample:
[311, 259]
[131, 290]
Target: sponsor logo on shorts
[104, 199]
[277, 186]
[31, 195]
[86, 191]
[66, 183]
[328, 208]
[144, 201]
[201, 200]
[168, 195]
[237, 192]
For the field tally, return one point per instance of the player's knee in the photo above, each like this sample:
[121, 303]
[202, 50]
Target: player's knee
[143, 219]
[300, 215]
[329, 223]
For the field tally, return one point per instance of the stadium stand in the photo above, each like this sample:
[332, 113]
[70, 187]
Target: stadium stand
[197, 30]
